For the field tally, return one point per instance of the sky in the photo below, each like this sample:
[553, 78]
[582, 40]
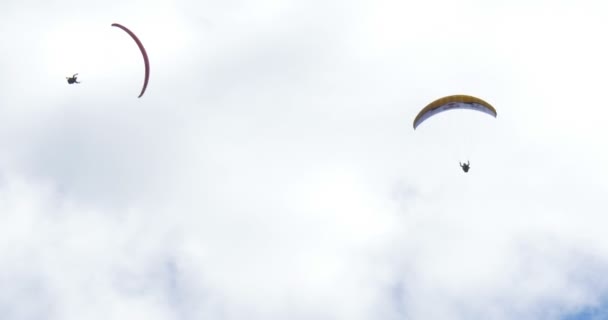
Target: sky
[271, 170]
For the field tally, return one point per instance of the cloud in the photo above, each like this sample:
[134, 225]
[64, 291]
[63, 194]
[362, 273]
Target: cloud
[271, 170]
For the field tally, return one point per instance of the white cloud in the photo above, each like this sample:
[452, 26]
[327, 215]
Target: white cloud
[271, 170]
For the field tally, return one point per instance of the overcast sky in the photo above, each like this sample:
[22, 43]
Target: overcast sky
[271, 170]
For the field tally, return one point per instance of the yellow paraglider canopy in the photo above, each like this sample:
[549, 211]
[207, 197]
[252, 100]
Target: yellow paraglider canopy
[453, 102]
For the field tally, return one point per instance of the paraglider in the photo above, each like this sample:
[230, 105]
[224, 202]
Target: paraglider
[144, 54]
[465, 166]
[73, 79]
[454, 102]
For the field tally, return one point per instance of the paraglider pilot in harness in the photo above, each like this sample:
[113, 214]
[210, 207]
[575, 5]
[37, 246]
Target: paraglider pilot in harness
[465, 166]
[72, 79]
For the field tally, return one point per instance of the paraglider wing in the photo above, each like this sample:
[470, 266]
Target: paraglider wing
[143, 52]
[453, 102]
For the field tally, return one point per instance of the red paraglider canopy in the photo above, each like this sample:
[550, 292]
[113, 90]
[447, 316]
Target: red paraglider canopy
[143, 52]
